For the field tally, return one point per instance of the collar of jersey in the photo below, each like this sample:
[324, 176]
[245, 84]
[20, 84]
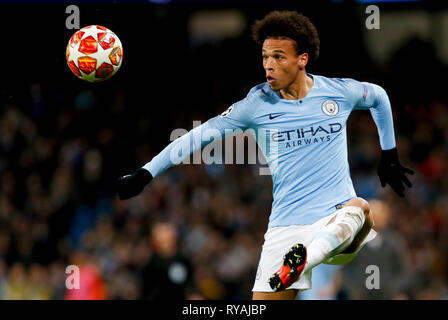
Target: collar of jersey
[267, 90]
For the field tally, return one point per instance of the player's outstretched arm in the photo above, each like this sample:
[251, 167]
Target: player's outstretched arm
[131, 185]
[234, 117]
[390, 171]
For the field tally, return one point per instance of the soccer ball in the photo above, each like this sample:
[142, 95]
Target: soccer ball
[94, 53]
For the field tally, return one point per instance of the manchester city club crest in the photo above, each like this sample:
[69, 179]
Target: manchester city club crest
[330, 107]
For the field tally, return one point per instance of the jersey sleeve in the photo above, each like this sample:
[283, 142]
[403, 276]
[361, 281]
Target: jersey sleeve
[365, 95]
[237, 116]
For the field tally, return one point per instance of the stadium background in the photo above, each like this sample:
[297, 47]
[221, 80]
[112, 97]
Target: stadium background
[64, 142]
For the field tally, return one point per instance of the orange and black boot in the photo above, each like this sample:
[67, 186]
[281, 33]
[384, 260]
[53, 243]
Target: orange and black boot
[293, 264]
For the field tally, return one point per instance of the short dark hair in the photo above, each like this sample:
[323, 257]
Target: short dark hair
[289, 24]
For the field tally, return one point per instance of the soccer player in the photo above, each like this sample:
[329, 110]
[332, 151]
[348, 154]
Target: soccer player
[316, 216]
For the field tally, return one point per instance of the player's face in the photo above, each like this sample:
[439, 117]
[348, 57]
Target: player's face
[281, 62]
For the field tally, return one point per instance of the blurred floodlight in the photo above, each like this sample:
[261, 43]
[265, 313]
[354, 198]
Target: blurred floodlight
[159, 1]
[212, 26]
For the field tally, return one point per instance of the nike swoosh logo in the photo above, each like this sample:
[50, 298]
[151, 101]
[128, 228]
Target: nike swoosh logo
[275, 115]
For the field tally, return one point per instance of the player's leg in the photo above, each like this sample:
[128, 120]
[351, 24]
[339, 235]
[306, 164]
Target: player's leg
[368, 223]
[334, 238]
[341, 231]
[364, 235]
[290, 294]
[367, 226]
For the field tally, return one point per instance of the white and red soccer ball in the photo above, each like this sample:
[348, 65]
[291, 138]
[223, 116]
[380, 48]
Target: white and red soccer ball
[94, 53]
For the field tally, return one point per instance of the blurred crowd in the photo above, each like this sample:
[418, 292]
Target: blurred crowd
[196, 228]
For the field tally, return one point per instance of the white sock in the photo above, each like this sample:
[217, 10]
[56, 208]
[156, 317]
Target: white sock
[335, 237]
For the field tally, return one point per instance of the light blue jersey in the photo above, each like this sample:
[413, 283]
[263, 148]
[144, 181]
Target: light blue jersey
[304, 142]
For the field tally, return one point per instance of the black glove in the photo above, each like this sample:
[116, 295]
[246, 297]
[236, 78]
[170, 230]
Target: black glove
[392, 172]
[132, 184]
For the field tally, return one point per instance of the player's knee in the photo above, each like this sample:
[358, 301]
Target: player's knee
[365, 207]
[348, 221]
[361, 203]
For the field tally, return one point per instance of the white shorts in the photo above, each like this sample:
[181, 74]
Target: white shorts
[278, 240]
